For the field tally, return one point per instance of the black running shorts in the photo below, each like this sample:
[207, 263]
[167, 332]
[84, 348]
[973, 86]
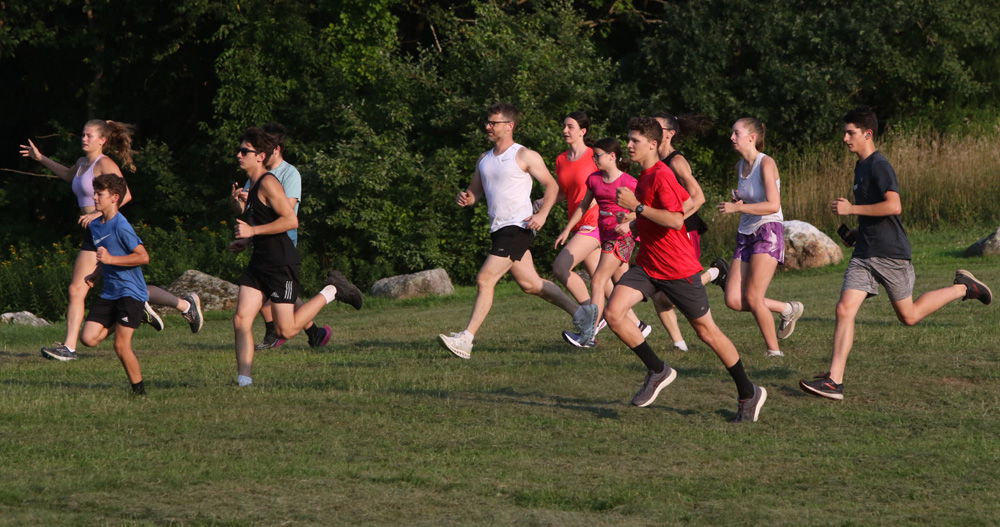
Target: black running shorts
[511, 242]
[278, 284]
[126, 311]
[687, 294]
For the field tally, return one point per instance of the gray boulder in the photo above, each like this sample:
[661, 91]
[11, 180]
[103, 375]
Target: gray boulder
[807, 247]
[23, 318]
[433, 282]
[215, 294]
[988, 246]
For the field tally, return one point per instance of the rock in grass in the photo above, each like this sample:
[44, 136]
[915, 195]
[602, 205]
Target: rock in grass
[807, 247]
[215, 293]
[988, 246]
[432, 282]
[23, 318]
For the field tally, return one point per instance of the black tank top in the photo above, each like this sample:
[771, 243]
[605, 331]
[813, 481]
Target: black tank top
[694, 221]
[269, 250]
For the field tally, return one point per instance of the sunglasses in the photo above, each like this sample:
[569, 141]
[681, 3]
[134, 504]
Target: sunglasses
[242, 151]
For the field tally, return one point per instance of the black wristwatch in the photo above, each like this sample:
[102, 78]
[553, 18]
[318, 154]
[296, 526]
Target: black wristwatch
[639, 208]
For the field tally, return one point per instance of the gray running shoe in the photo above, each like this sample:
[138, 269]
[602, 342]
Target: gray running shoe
[788, 323]
[750, 408]
[652, 385]
[974, 289]
[270, 341]
[574, 339]
[823, 386]
[60, 352]
[149, 316]
[193, 315]
[347, 292]
[457, 344]
[585, 320]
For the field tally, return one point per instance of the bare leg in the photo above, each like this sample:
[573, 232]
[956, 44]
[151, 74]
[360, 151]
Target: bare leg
[86, 263]
[123, 347]
[607, 267]
[247, 305]
[486, 281]
[909, 312]
[578, 249]
[527, 278]
[267, 313]
[843, 335]
[710, 334]
[621, 302]
[161, 297]
[668, 317]
[290, 319]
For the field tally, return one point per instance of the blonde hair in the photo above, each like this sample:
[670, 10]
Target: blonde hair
[119, 139]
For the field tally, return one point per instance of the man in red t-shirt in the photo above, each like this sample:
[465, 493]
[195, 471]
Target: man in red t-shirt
[667, 263]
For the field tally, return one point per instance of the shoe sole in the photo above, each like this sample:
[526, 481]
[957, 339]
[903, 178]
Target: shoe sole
[60, 358]
[329, 333]
[276, 345]
[566, 336]
[978, 282]
[791, 326]
[195, 301]
[455, 351]
[819, 393]
[664, 384]
[154, 318]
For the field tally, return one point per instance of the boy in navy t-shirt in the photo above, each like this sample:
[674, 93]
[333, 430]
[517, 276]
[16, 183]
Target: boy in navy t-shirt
[119, 254]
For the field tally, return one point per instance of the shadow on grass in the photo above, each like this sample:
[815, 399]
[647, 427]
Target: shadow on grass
[60, 384]
[5, 353]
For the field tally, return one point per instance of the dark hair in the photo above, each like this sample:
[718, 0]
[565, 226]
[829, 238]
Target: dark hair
[113, 183]
[262, 141]
[505, 109]
[863, 117]
[685, 125]
[584, 122]
[119, 139]
[648, 127]
[755, 127]
[611, 145]
[277, 132]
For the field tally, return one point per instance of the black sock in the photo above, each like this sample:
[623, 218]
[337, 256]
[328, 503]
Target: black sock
[311, 331]
[268, 328]
[645, 353]
[743, 385]
[139, 388]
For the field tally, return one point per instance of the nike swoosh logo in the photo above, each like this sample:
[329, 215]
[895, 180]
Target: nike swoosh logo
[99, 240]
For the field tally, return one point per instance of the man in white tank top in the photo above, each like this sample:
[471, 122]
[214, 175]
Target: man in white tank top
[504, 174]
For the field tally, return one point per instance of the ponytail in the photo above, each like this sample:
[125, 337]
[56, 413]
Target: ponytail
[119, 139]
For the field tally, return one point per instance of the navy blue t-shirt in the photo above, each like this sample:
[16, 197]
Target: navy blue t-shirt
[119, 238]
[878, 236]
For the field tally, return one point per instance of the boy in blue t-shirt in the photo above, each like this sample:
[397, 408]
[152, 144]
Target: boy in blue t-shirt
[119, 254]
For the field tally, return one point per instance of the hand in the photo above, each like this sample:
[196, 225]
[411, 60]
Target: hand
[238, 246]
[91, 279]
[239, 194]
[535, 221]
[841, 207]
[727, 207]
[85, 219]
[561, 240]
[243, 230]
[622, 229]
[465, 198]
[625, 198]
[30, 150]
[103, 256]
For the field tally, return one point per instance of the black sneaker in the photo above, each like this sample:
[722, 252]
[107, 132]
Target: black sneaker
[270, 341]
[974, 289]
[322, 336]
[750, 408]
[60, 352]
[823, 386]
[722, 265]
[652, 385]
[193, 315]
[149, 316]
[347, 292]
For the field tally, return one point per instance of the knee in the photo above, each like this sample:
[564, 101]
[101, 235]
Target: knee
[734, 302]
[614, 315]
[242, 322]
[562, 267]
[532, 287]
[78, 289]
[285, 332]
[89, 340]
[907, 319]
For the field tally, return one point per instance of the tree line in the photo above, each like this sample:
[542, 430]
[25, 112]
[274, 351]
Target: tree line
[384, 99]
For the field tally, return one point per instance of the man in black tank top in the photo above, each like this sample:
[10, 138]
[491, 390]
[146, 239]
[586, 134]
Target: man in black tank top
[273, 271]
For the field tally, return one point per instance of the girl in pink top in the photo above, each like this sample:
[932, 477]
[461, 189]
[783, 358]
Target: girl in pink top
[616, 238]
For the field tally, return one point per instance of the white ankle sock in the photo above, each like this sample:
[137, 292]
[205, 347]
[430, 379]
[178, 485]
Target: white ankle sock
[468, 336]
[243, 380]
[681, 345]
[713, 272]
[788, 310]
[329, 293]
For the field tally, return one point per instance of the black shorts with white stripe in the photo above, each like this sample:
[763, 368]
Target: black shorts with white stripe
[278, 284]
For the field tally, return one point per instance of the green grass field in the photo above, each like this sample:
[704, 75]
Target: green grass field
[384, 427]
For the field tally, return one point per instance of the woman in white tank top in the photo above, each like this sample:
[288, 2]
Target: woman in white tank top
[760, 242]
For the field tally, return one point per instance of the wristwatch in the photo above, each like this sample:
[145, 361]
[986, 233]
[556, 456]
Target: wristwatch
[639, 208]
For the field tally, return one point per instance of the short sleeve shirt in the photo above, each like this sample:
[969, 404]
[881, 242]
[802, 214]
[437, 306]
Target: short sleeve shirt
[119, 238]
[664, 253]
[572, 178]
[878, 236]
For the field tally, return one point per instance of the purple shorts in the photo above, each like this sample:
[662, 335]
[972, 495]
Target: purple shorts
[768, 239]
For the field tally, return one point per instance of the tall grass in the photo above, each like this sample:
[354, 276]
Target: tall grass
[944, 179]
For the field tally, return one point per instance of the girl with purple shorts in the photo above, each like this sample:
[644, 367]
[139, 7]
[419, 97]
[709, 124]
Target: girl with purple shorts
[760, 243]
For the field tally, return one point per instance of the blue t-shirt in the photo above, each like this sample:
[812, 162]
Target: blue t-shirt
[291, 181]
[119, 238]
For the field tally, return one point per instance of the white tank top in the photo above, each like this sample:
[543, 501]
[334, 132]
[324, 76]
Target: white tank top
[507, 189]
[751, 190]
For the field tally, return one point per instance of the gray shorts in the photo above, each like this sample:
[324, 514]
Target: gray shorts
[687, 294]
[865, 274]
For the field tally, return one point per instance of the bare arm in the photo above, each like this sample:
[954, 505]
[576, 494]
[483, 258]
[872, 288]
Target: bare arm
[891, 206]
[61, 171]
[769, 176]
[665, 218]
[273, 195]
[681, 167]
[532, 163]
[471, 194]
[138, 256]
[574, 218]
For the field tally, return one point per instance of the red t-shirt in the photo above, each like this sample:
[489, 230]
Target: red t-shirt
[665, 253]
[572, 178]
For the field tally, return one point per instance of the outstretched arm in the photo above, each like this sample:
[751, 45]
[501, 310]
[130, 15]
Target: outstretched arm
[63, 172]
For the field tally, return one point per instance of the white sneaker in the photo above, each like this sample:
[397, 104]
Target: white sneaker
[457, 344]
[788, 323]
[645, 328]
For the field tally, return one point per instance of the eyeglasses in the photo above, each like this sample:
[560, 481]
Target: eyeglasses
[494, 123]
[242, 151]
[597, 157]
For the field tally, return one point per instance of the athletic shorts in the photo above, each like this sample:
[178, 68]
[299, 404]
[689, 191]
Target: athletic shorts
[126, 311]
[589, 231]
[768, 239]
[511, 242]
[88, 241]
[687, 294]
[621, 247]
[279, 284]
[865, 274]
